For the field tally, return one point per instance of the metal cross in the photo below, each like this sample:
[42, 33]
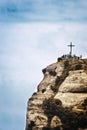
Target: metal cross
[71, 46]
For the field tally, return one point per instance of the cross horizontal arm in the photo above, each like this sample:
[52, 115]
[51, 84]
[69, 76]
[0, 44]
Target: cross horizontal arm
[71, 46]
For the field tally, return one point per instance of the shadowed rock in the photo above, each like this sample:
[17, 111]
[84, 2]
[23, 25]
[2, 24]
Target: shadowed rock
[63, 90]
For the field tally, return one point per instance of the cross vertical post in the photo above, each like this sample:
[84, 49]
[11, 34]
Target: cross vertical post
[71, 46]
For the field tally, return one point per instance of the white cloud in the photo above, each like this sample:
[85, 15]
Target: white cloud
[28, 47]
[25, 49]
[39, 10]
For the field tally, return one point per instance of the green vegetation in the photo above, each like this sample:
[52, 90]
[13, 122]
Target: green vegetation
[60, 79]
[52, 72]
[69, 65]
[70, 120]
[50, 107]
[48, 128]
[85, 102]
[43, 90]
[66, 64]
[78, 67]
[84, 105]
[54, 88]
[44, 70]
[31, 125]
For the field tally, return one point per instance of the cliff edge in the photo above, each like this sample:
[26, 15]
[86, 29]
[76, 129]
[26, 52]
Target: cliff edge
[60, 102]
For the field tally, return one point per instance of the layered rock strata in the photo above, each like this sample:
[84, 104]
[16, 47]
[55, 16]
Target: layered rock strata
[60, 102]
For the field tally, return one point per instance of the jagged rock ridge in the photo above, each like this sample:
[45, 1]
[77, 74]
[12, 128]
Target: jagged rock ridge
[60, 102]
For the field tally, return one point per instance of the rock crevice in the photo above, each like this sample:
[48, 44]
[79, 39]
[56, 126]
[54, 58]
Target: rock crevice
[63, 91]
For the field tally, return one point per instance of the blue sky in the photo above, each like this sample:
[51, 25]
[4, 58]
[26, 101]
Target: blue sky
[33, 34]
[43, 10]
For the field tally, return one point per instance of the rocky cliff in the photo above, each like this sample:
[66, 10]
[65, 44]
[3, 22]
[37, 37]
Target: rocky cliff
[60, 102]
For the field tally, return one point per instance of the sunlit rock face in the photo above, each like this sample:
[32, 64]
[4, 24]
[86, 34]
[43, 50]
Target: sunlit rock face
[60, 102]
[74, 88]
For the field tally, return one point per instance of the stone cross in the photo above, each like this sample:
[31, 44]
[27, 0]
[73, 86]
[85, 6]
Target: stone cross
[71, 46]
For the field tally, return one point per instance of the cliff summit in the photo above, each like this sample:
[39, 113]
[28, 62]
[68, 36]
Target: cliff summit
[60, 102]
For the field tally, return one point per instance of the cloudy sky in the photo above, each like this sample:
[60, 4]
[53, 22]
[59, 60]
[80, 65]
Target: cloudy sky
[33, 34]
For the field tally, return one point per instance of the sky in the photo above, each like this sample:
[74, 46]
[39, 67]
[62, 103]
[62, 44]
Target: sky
[33, 34]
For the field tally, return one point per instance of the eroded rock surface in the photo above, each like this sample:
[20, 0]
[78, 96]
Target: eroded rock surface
[61, 99]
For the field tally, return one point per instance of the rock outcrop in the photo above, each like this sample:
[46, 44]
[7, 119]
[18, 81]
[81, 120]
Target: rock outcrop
[60, 102]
